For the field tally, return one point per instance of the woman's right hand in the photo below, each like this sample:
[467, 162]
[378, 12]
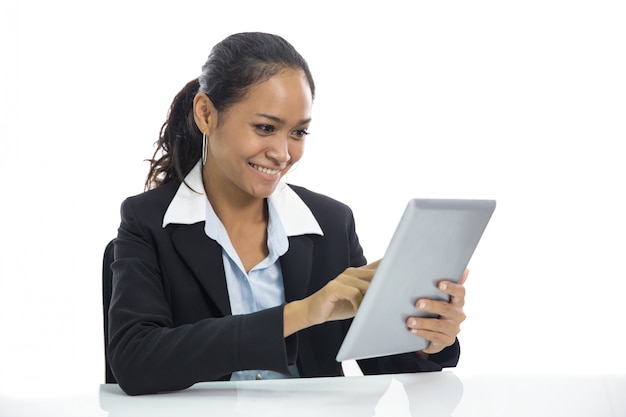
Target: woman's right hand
[337, 300]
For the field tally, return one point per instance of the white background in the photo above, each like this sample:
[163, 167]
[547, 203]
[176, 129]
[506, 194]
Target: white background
[520, 101]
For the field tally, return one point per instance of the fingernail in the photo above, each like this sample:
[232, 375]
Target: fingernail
[443, 286]
[421, 305]
[412, 323]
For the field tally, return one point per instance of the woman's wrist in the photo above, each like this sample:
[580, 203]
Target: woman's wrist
[294, 317]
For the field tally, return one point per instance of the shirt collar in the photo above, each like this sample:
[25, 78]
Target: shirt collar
[189, 206]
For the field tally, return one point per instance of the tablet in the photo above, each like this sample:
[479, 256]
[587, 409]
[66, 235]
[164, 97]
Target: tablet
[433, 241]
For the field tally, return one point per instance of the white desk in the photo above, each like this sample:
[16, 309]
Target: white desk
[430, 395]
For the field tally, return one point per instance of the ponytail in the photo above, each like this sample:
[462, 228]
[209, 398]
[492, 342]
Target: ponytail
[179, 146]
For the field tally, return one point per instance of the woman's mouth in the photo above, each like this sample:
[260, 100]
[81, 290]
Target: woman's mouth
[264, 170]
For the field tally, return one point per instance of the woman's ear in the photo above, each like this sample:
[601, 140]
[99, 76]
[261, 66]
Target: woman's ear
[204, 113]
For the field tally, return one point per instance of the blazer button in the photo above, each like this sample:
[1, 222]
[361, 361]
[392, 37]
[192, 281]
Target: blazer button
[258, 377]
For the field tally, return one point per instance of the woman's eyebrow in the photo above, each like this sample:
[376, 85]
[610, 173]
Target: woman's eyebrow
[281, 121]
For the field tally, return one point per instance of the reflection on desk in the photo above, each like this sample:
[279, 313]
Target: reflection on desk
[435, 394]
[425, 394]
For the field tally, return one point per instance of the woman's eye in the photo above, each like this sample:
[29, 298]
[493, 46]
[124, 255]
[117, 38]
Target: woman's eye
[301, 133]
[264, 128]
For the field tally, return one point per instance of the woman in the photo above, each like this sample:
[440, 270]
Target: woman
[221, 270]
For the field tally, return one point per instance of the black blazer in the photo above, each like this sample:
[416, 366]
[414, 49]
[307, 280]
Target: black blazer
[170, 323]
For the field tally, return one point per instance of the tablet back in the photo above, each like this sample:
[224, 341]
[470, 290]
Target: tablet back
[433, 241]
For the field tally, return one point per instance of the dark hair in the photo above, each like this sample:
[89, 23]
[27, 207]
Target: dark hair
[234, 65]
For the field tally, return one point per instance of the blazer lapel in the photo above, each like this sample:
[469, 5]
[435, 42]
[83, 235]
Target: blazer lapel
[296, 266]
[204, 257]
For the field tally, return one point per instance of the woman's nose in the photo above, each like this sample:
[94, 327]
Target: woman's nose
[279, 150]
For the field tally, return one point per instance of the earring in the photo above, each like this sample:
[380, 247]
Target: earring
[292, 169]
[294, 166]
[203, 148]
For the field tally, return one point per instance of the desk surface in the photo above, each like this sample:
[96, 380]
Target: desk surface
[430, 394]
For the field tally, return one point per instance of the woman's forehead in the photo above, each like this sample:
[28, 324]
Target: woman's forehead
[286, 95]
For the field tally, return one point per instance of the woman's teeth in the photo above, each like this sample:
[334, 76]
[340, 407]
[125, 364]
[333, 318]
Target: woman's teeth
[265, 170]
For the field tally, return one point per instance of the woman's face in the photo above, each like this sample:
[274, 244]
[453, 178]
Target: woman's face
[254, 142]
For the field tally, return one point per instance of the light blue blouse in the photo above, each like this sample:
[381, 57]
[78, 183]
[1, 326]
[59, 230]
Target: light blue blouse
[262, 287]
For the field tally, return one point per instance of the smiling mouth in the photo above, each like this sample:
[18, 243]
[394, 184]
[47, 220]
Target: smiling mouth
[264, 170]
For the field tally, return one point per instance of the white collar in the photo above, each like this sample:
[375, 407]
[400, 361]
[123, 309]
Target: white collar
[189, 206]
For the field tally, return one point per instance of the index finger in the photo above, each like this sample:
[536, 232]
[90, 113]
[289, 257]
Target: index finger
[373, 265]
[365, 272]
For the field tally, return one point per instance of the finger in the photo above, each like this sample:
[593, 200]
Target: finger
[456, 292]
[354, 282]
[345, 294]
[438, 341]
[446, 327]
[444, 310]
[363, 273]
[336, 301]
[440, 333]
[373, 265]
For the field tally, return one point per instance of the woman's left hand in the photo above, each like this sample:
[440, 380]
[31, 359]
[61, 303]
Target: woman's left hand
[441, 332]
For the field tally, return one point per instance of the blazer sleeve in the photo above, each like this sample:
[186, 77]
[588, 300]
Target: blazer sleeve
[148, 353]
[410, 362]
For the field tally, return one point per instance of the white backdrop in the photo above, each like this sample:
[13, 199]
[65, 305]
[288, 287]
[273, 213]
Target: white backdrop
[523, 102]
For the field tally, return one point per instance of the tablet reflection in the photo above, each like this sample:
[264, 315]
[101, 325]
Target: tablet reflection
[434, 394]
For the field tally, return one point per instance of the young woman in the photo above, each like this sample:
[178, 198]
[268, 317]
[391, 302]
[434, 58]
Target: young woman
[221, 270]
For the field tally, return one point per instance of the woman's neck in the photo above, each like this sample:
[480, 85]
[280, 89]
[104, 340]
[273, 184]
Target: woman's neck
[234, 208]
[244, 217]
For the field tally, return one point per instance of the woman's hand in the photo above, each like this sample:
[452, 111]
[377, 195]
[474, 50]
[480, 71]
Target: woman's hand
[441, 332]
[337, 300]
